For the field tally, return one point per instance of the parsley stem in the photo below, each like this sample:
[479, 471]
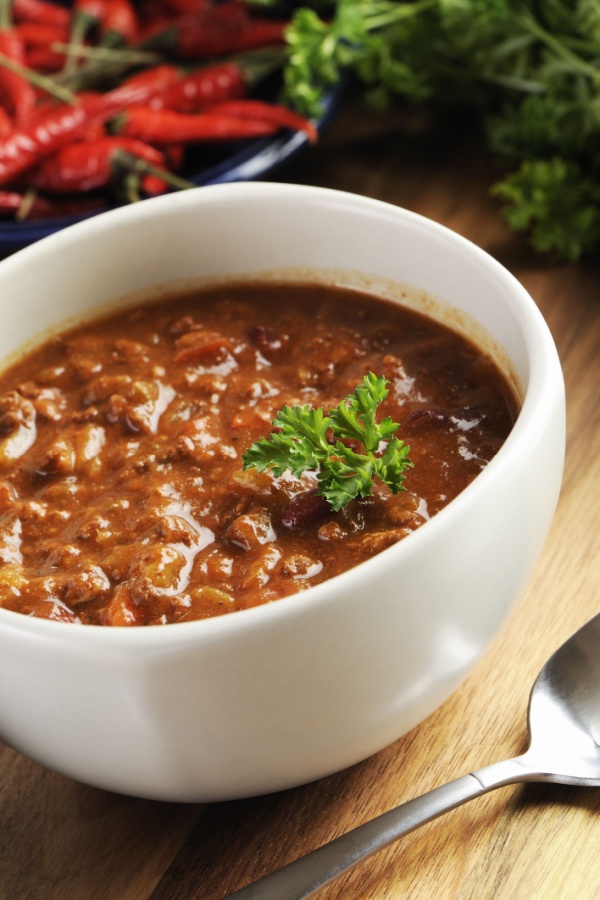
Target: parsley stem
[392, 12]
[557, 44]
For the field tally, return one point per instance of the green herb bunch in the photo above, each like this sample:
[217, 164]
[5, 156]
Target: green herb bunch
[531, 69]
[302, 442]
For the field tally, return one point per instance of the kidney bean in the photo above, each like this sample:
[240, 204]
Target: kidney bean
[305, 509]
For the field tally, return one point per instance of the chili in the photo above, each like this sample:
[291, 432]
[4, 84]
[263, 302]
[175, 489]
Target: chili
[122, 495]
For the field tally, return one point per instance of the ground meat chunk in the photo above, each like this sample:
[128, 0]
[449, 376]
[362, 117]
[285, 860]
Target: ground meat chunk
[17, 426]
[252, 529]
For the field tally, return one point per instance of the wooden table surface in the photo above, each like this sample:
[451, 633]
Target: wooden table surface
[60, 840]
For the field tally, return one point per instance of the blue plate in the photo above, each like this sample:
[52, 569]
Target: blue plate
[244, 161]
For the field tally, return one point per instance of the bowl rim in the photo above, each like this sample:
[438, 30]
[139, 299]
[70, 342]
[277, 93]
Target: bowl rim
[545, 382]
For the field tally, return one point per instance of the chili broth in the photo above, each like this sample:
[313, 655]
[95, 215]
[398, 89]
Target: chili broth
[122, 497]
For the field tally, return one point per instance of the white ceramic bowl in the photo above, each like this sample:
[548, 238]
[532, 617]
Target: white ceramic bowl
[278, 695]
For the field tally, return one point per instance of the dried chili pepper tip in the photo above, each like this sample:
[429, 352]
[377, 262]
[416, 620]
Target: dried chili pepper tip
[119, 24]
[153, 186]
[258, 110]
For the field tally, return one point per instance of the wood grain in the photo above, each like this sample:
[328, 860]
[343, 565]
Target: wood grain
[63, 841]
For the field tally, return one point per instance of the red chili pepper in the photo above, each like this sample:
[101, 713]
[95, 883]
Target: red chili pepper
[56, 125]
[260, 111]
[35, 33]
[237, 37]
[88, 165]
[45, 133]
[219, 30]
[154, 186]
[16, 94]
[165, 127]
[41, 12]
[196, 90]
[140, 88]
[119, 25]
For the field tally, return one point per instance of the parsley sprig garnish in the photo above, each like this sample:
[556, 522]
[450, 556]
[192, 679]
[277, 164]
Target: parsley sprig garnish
[302, 442]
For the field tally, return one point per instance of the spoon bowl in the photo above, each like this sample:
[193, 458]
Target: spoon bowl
[564, 712]
[564, 727]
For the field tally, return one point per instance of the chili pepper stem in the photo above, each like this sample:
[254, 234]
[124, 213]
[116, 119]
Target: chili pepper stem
[39, 80]
[24, 209]
[131, 186]
[5, 14]
[134, 165]
[112, 40]
[81, 24]
[258, 64]
[108, 54]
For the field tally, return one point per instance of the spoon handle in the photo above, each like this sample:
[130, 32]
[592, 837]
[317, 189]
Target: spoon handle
[306, 875]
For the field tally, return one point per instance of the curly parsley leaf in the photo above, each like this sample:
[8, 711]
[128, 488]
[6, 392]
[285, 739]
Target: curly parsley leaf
[556, 203]
[301, 442]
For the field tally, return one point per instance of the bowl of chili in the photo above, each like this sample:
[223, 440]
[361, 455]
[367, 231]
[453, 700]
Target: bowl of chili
[309, 680]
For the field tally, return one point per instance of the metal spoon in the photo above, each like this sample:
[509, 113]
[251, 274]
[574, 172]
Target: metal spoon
[564, 731]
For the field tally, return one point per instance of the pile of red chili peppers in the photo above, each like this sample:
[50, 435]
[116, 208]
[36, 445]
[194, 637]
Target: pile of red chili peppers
[104, 98]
